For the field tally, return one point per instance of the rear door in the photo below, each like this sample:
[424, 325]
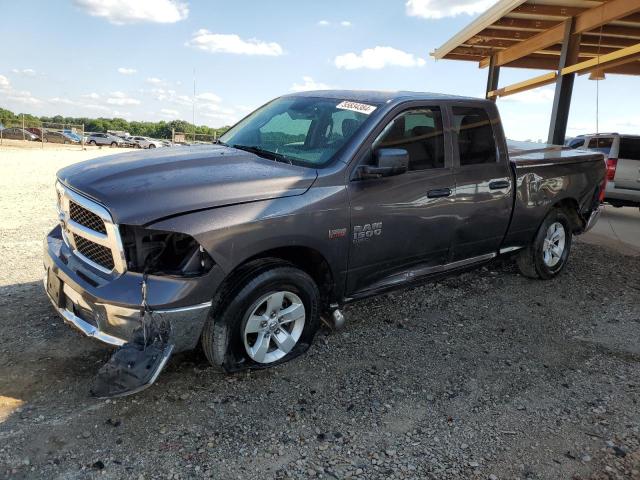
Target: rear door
[402, 224]
[628, 169]
[484, 190]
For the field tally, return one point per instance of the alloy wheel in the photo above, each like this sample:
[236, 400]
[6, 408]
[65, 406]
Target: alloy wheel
[273, 326]
[554, 244]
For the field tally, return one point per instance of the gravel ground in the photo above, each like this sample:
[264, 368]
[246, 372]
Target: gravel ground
[487, 375]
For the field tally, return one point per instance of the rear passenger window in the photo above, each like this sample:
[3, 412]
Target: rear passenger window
[601, 144]
[476, 142]
[630, 148]
[420, 133]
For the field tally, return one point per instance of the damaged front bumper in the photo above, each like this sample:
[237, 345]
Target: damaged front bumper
[108, 309]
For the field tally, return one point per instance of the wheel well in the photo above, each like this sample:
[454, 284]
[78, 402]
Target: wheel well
[310, 261]
[571, 209]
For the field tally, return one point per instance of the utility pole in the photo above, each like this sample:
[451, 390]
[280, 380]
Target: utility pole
[194, 105]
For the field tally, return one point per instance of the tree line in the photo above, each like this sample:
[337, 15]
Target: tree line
[159, 129]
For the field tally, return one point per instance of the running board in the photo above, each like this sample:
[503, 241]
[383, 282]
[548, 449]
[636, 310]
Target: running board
[412, 275]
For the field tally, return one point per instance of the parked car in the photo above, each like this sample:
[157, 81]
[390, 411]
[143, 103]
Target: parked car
[104, 139]
[128, 142]
[312, 202]
[54, 136]
[14, 133]
[71, 134]
[623, 165]
[146, 142]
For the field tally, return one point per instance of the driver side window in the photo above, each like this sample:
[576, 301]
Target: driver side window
[421, 134]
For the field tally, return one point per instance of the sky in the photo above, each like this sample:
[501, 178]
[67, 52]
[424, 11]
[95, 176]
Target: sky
[137, 59]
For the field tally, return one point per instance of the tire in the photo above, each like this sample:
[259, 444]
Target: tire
[114, 144]
[240, 323]
[151, 145]
[540, 259]
[92, 142]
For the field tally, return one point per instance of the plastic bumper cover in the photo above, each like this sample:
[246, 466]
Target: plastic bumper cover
[109, 312]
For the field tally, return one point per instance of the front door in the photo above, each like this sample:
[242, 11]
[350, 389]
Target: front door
[401, 224]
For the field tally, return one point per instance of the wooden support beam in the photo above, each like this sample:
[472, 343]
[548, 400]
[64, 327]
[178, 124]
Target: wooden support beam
[611, 66]
[610, 42]
[536, 63]
[548, 10]
[585, 21]
[535, 82]
[504, 34]
[617, 31]
[539, 42]
[627, 69]
[524, 24]
[599, 62]
[586, 41]
[606, 13]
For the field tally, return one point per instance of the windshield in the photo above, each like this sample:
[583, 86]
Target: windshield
[304, 131]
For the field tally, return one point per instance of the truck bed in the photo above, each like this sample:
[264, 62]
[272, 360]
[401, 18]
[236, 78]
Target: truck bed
[529, 154]
[568, 176]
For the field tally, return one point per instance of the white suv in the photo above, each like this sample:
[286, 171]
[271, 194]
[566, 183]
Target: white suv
[104, 139]
[146, 142]
[623, 165]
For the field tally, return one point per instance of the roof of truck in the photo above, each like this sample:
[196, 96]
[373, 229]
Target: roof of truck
[378, 96]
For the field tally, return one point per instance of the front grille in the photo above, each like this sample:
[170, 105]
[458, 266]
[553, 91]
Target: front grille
[86, 218]
[94, 252]
[89, 231]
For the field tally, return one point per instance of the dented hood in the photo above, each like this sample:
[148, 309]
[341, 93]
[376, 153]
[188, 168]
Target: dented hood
[141, 187]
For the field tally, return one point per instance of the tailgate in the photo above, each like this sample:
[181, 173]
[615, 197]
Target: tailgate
[628, 174]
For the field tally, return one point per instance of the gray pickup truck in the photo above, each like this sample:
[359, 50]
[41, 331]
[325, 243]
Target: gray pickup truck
[311, 202]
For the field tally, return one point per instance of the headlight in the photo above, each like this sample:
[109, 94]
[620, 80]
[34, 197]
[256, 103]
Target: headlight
[163, 253]
[59, 192]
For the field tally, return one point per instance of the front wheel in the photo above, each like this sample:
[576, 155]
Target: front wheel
[266, 315]
[547, 256]
[151, 145]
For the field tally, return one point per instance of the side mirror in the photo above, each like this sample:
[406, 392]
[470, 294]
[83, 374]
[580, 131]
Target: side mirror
[388, 161]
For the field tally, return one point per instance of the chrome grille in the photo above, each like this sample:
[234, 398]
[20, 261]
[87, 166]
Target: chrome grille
[86, 218]
[94, 252]
[89, 231]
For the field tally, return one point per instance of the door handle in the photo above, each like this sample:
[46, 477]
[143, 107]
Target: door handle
[499, 184]
[439, 192]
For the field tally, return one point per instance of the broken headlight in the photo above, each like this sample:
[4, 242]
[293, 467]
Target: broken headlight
[159, 252]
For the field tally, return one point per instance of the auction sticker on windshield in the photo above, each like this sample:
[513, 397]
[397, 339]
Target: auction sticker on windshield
[356, 107]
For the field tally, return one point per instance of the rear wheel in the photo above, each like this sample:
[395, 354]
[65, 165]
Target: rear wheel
[151, 145]
[92, 142]
[113, 144]
[267, 314]
[547, 256]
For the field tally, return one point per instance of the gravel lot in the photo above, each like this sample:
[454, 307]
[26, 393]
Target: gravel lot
[483, 376]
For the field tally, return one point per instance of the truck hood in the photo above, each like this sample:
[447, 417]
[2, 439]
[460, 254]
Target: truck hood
[141, 187]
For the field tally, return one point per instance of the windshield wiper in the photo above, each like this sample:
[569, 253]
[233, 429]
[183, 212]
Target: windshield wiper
[264, 153]
[218, 142]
